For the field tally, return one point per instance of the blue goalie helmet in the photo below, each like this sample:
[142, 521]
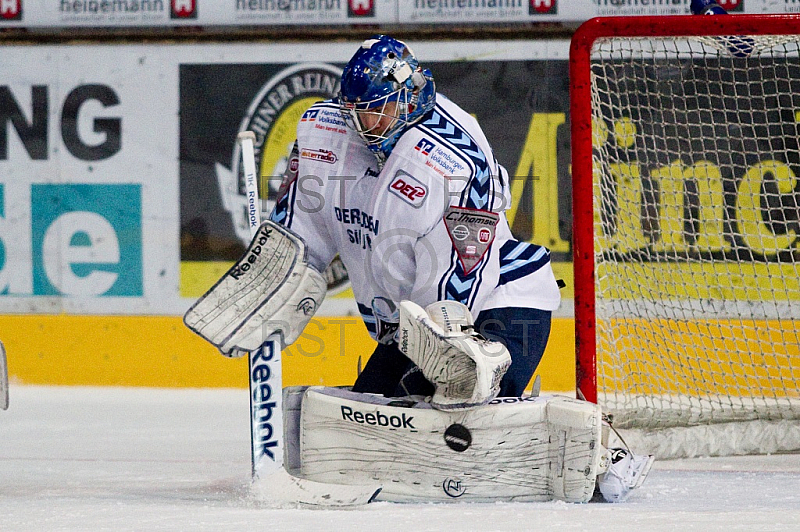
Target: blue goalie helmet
[384, 91]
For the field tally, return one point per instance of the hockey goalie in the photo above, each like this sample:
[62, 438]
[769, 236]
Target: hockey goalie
[402, 184]
[463, 442]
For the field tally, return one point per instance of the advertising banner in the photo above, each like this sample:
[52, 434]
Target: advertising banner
[87, 186]
[159, 13]
[451, 12]
[120, 189]
[221, 13]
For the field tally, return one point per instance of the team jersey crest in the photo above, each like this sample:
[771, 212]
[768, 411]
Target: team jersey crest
[472, 232]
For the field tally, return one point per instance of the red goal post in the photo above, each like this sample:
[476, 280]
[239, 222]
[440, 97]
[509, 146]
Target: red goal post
[686, 220]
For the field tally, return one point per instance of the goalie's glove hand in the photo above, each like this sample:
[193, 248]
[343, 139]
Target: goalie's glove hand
[465, 368]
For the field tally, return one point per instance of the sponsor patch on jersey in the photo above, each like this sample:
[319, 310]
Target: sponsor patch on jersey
[472, 232]
[325, 156]
[443, 161]
[310, 115]
[332, 121]
[408, 189]
[460, 232]
[424, 146]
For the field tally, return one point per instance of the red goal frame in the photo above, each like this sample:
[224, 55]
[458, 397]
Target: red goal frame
[581, 139]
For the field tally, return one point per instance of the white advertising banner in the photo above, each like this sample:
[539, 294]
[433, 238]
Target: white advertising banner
[147, 13]
[205, 13]
[88, 160]
[117, 162]
[479, 11]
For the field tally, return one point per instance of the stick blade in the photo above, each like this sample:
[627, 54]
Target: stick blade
[3, 378]
[280, 489]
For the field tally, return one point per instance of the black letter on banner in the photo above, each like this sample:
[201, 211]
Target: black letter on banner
[112, 127]
[34, 134]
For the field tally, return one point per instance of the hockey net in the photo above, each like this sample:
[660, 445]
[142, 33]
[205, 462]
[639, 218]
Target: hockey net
[686, 229]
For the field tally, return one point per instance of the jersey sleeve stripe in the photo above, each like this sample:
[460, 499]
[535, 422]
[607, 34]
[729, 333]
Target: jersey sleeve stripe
[477, 194]
[518, 259]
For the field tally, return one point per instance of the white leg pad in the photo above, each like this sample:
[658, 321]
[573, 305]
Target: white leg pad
[577, 431]
[532, 449]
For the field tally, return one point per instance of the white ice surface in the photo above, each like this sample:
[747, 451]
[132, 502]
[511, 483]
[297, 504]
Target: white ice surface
[123, 459]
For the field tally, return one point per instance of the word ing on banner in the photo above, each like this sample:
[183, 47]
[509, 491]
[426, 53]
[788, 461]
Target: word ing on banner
[66, 238]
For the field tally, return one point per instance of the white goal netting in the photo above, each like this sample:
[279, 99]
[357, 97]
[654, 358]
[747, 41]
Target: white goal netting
[696, 158]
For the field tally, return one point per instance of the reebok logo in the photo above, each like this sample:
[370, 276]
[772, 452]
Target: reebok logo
[265, 437]
[377, 418]
[252, 254]
[513, 400]
[404, 340]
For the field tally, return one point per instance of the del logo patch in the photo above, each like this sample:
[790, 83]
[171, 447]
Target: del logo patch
[472, 232]
[408, 189]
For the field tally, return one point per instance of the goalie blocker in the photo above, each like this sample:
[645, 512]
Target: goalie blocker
[513, 449]
[270, 290]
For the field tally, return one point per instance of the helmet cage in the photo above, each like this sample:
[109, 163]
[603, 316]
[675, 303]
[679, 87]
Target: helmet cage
[376, 121]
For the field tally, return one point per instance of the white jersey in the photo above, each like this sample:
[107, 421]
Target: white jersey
[428, 226]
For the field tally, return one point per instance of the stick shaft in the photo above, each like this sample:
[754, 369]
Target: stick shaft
[264, 364]
[247, 140]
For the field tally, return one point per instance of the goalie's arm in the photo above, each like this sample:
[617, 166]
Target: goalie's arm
[270, 290]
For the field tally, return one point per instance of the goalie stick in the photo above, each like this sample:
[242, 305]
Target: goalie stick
[3, 378]
[271, 482]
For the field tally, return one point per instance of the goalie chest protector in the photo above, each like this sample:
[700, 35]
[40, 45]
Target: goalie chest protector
[514, 449]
